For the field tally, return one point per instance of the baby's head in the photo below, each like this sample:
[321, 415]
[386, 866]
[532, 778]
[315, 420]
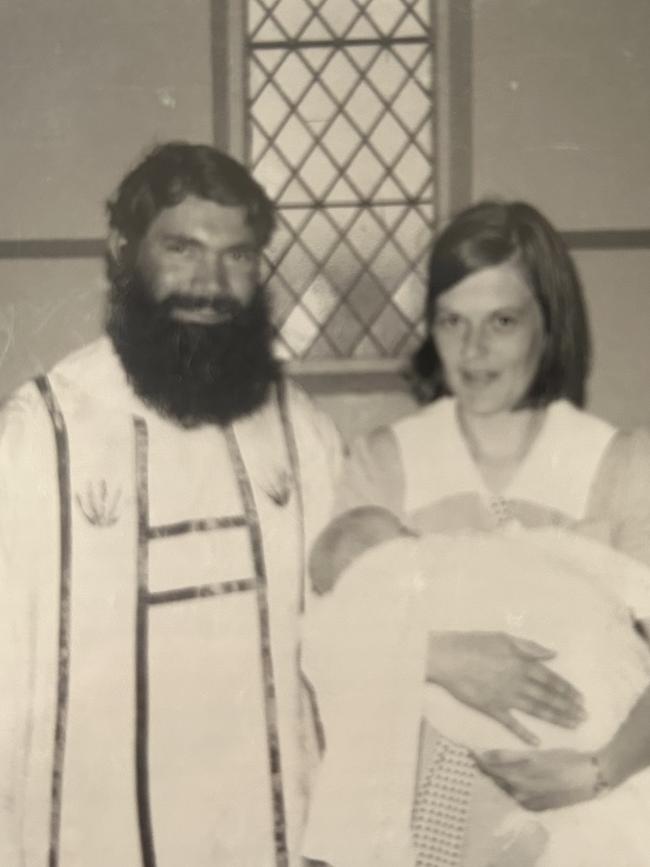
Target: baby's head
[346, 538]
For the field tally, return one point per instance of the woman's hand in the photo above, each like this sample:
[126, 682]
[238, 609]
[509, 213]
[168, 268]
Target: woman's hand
[544, 779]
[497, 673]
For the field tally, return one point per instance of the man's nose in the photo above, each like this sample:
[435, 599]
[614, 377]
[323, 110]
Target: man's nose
[210, 277]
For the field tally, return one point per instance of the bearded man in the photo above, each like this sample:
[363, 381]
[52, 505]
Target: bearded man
[158, 490]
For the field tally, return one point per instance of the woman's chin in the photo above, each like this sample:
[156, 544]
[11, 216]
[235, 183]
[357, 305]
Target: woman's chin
[484, 405]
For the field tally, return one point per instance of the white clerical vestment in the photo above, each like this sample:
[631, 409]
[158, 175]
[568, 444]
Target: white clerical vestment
[153, 712]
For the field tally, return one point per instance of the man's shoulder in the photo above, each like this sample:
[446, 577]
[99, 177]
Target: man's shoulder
[88, 381]
[89, 369]
[22, 403]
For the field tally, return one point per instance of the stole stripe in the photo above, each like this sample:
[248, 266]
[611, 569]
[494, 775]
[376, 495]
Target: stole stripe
[270, 701]
[201, 591]
[142, 640]
[200, 525]
[65, 579]
[294, 463]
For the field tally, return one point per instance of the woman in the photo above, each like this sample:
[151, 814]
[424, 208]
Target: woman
[502, 438]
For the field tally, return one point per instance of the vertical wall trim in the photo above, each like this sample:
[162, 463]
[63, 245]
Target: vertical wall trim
[454, 105]
[229, 76]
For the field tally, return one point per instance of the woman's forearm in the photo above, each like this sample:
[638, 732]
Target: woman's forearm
[628, 752]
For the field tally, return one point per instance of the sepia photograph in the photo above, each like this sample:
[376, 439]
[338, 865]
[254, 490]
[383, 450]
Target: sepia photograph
[325, 433]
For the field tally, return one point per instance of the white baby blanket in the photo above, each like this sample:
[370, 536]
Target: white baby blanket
[364, 650]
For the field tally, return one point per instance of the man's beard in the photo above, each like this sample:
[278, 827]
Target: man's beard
[193, 373]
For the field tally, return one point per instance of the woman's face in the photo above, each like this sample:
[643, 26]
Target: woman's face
[489, 333]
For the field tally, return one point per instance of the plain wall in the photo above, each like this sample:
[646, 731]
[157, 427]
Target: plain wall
[560, 117]
[85, 89]
[558, 113]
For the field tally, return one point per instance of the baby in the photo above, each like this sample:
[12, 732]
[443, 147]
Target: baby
[381, 590]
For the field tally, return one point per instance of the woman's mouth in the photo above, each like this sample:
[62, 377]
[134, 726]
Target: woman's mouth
[478, 378]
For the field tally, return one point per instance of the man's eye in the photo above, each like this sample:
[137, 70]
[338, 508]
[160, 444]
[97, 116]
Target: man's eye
[173, 246]
[242, 255]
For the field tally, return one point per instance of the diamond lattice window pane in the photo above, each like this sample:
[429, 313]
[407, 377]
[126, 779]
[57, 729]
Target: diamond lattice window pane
[391, 329]
[367, 297]
[339, 75]
[293, 140]
[340, 134]
[343, 267]
[341, 139]
[364, 107]
[276, 19]
[411, 106]
[344, 330]
[413, 172]
[292, 76]
[341, 15]
[320, 299]
[318, 233]
[385, 15]
[271, 111]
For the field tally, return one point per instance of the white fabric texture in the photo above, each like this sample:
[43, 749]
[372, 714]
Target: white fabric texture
[370, 681]
[556, 473]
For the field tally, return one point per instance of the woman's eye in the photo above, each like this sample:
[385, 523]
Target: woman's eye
[447, 321]
[504, 321]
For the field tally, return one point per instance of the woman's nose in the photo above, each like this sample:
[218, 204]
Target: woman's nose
[475, 343]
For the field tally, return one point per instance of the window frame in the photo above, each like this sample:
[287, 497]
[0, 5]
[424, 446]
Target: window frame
[452, 110]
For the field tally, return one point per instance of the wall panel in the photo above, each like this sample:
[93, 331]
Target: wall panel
[618, 294]
[47, 308]
[85, 88]
[561, 107]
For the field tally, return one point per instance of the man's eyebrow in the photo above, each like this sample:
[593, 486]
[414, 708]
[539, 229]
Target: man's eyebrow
[243, 245]
[170, 235]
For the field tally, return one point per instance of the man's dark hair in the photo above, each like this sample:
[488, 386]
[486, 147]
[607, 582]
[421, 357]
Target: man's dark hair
[489, 234]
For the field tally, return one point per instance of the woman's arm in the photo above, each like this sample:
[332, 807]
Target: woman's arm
[620, 495]
[548, 779]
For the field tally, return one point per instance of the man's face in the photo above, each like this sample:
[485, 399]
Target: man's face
[199, 257]
[188, 318]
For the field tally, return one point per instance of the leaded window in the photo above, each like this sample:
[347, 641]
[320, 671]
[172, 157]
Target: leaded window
[341, 133]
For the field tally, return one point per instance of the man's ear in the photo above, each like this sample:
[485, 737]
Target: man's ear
[116, 244]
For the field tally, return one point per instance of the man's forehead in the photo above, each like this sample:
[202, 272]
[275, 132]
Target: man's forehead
[194, 214]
